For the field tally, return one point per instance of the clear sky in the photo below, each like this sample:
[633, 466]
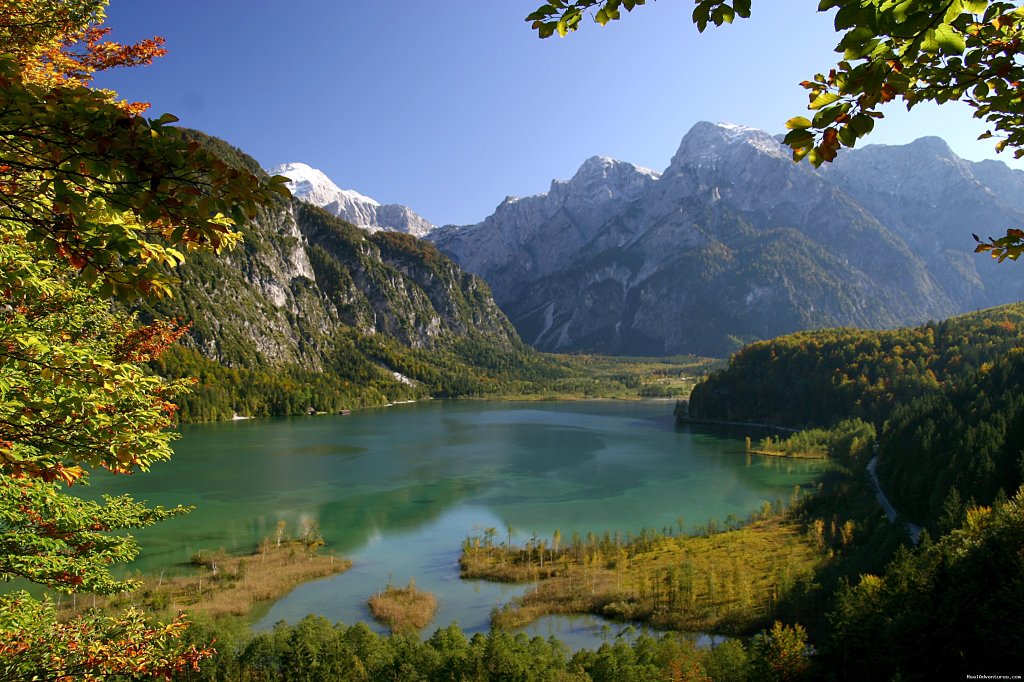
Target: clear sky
[450, 105]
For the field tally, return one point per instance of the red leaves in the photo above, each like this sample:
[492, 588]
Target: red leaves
[829, 146]
[145, 343]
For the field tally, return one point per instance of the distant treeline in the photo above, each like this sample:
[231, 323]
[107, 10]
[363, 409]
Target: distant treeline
[850, 438]
[359, 373]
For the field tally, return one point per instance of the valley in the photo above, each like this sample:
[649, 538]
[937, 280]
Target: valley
[749, 411]
[563, 509]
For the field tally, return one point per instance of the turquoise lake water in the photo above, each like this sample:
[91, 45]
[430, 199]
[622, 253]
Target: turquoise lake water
[398, 489]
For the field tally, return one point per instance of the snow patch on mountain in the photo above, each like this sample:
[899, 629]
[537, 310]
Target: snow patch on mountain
[726, 143]
[312, 185]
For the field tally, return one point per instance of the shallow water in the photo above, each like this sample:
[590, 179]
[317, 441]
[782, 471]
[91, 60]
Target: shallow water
[397, 490]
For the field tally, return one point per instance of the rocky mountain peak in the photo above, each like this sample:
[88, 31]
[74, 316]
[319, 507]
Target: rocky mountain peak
[713, 142]
[610, 170]
[933, 146]
[736, 242]
[600, 180]
[926, 171]
[313, 186]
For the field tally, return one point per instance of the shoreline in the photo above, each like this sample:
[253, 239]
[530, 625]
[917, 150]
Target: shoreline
[490, 399]
[769, 453]
[723, 422]
[223, 584]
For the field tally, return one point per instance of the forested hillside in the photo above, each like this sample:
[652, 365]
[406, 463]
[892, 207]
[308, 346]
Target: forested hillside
[945, 451]
[311, 313]
[816, 378]
[948, 400]
[946, 396]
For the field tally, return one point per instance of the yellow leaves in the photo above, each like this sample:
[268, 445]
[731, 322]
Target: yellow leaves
[977, 518]
[870, 583]
[822, 99]
[69, 475]
[1009, 246]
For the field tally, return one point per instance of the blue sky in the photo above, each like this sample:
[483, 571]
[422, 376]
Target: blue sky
[450, 105]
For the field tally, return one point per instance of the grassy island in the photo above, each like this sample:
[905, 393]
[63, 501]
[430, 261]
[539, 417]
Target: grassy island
[731, 577]
[405, 610]
[731, 580]
[224, 584]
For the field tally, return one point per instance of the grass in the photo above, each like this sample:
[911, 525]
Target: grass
[224, 584]
[405, 610]
[618, 378]
[797, 446]
[800, 454]
[728, 582]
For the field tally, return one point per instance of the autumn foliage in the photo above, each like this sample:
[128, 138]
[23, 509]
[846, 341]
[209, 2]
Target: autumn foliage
[96, 202]
[62, 44]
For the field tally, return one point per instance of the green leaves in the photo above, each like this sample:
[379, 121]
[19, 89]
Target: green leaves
[718, 12]
[65, 543]
[113, 193]
[945, 39]
[564, 16]
[823, 99]
[95, 202]
[920, 50]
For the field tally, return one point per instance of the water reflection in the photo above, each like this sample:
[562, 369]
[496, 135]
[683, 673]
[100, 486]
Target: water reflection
[589, 632]
[398, 490]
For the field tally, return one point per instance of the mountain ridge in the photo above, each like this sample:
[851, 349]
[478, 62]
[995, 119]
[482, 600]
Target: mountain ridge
[734, 242]
[313, 186]
[312, 313]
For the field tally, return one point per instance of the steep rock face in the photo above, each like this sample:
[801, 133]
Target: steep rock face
[733, 242]
[933, 200]
[312, 186]
[534, 237]
[303, 276]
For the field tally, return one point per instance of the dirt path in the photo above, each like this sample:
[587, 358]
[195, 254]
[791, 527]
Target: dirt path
[913, 530]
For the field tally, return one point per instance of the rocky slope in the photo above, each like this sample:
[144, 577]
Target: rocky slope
[312, 186]
[304, 284]
[733, 242]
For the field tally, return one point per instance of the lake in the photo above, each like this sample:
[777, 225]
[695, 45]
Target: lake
[398, 489]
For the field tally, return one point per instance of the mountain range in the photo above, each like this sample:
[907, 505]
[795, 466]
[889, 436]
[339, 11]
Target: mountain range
[731, 243]
[734, 242]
